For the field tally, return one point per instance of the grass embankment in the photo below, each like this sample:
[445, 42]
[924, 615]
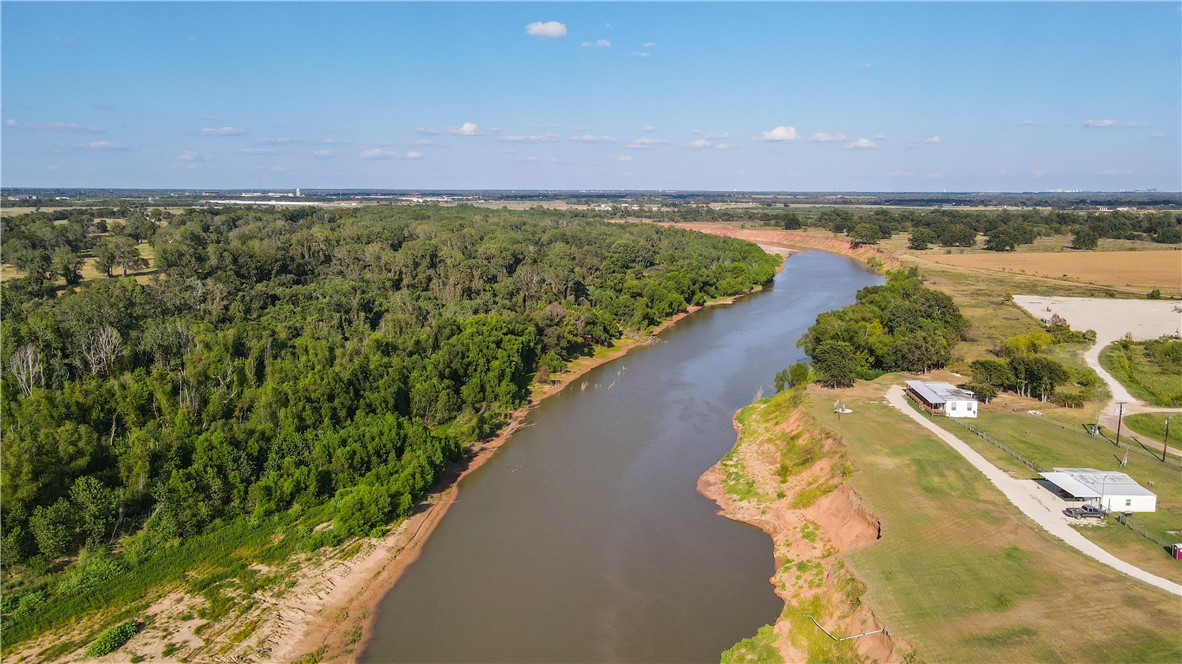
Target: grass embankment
[961, 575]
[1147, 369]
[786, 476]
[1153, 425]
[1050, 444]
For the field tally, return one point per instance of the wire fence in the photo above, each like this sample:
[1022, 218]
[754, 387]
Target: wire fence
[1001, 446]
[1128, 522]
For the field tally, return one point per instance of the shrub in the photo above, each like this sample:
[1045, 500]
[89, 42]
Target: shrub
[113, 639]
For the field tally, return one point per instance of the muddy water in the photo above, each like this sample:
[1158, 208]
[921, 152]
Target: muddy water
[584, 539]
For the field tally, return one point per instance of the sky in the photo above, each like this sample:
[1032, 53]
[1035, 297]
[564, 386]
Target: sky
[700, 96]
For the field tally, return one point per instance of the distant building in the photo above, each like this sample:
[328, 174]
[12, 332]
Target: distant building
[943, 398]
[1111, 490]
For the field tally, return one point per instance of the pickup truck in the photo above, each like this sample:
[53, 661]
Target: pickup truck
[1087, 511]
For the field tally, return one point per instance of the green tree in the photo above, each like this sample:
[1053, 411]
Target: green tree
[865, 234]
[95, 508]
[1001, 239]
[921, 238]
[1085, 238]
[67, 264]
[837, 363]
[53, 529]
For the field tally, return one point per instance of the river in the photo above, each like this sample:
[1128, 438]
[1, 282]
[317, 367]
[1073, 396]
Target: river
[584, 538]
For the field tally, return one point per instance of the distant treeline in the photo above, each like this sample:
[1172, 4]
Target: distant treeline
[295, 357]
[1004, 229]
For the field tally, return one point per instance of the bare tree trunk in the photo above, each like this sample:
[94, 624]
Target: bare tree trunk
[25, 365]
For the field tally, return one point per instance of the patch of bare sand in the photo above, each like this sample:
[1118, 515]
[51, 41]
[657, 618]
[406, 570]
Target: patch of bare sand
[804, 538]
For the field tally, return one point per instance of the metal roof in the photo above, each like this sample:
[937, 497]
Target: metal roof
[939, 393]
[1092, 483]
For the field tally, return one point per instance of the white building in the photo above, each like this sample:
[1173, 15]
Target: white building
[1111, 490]
[943, 398]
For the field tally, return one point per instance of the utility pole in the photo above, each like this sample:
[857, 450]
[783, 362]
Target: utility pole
[1119, 418]
[1165, 439]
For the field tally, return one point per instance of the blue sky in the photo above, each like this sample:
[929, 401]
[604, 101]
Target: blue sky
[759, 96]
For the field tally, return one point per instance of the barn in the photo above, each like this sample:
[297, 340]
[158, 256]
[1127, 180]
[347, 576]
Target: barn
[943, 398]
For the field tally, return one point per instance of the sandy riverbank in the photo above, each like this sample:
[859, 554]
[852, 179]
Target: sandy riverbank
[808, 539]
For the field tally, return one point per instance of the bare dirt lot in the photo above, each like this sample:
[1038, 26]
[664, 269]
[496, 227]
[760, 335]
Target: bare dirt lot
[1147, 269]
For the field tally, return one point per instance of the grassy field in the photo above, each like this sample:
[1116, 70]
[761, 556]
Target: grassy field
[1130, 269]
[961, 575]
[90, 272]
[1148, 381]
[1153, 425]
[1053, 444]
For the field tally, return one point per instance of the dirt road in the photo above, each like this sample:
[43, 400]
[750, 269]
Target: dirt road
[1019, 493]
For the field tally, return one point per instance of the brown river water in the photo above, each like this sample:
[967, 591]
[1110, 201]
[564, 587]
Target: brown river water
[584, 538]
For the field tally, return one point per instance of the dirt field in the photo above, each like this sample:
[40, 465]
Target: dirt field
[1146, 269]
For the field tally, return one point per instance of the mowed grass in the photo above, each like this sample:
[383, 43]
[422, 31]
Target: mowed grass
[1055, 445]
[1153, 425]
[1160, 385]
[962, 576]
[1142, 269]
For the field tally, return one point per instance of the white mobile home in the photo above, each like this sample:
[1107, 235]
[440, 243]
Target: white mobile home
[1116, 492]
[943, 398]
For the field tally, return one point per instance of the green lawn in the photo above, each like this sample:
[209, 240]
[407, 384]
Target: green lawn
[962, 576]
[1152, 381]
[1153, 425]
[1050, 444]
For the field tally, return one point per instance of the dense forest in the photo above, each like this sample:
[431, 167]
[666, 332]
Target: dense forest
[291, 358]
[898, 326]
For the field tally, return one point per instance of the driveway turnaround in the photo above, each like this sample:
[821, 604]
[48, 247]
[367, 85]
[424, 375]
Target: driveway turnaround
[1019, 494]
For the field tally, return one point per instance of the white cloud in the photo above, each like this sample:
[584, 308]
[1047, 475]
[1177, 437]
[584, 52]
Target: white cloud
[588, 138]
[51, 167]
[936, 175]
[1116, 171]
[1134, 123]
[648, 128]
[696, 132]
[426, 130]
[378, 153]
[719, 137]
[322, 154]
[781, 133]
[722, 146]
[1002, 171]
[53, 126]
[880, 137]
[414, 155]
[1158, 134]
[258, 151]
[104, 145]
[648, 44]
[189, 155]
[284, 140]
[827, 138]
[647, 142]
[1038, 173]
[1032, 123]
[700, 143]
[223, 131]
[864, 65]
[641, 54]
[598, 43]
[547, 30]
[466, 129]
[901, 174]
[544, 138]
[625, 157]
[1099, 123]
[279, 169]
[533, 157]
[934, 139]
[424, 141]
[862, 144]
